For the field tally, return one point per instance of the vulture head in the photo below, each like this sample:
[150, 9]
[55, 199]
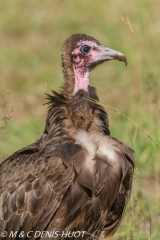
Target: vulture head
[80, 54]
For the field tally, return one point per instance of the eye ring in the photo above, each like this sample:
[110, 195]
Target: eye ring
[85, 49]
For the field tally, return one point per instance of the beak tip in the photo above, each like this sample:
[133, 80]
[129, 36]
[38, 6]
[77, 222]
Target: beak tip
[124, 59]
[120, 57]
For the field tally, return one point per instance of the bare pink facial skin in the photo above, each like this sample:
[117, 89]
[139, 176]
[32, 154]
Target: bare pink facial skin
[81, 64]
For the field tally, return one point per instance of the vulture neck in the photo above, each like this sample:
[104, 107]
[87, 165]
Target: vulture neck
[76, 78]
[81, 79]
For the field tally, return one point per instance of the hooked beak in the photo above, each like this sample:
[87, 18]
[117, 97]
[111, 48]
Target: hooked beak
[106, 54]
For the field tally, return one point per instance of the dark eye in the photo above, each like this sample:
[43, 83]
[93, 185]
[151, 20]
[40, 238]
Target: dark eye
[85, 49]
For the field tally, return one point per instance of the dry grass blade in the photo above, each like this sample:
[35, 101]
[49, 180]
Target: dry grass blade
[125, 116]
[150, 222]
[127, 22]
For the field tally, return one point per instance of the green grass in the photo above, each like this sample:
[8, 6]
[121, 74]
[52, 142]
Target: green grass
[31, 37]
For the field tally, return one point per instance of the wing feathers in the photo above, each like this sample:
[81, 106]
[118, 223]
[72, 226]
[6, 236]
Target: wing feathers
[20, 200]
[69, 151]
[34, 197]
[85, 179]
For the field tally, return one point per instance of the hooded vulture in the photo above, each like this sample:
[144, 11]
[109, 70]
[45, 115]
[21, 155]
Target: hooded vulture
[76, 179]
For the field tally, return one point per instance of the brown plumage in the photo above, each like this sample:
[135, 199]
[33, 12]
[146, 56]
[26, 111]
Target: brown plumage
[76, 177]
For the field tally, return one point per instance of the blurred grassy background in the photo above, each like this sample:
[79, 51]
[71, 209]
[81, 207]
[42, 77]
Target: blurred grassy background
[31, 36]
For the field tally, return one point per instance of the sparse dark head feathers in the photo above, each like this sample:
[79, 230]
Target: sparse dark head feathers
[71, 42]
